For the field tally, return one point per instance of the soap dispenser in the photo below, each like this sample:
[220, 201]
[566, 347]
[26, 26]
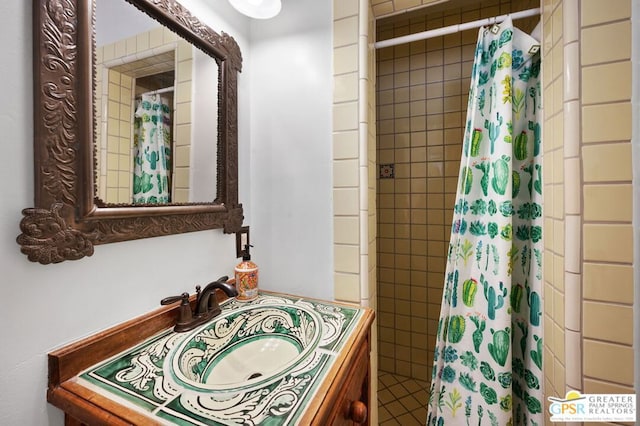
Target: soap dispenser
[246, 273]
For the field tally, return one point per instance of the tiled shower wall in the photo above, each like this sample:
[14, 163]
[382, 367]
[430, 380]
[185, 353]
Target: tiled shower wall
[115, 184]
[588, 197]
[421, 102]
[385, 7]
[556, 148]
[607, 268]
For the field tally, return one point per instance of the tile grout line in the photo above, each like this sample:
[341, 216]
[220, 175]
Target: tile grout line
[399, 410]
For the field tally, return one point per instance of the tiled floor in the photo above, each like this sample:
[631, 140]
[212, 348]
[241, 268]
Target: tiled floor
[401, 400]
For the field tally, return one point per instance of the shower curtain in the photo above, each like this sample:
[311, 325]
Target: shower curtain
[152, 150]
[488, 354]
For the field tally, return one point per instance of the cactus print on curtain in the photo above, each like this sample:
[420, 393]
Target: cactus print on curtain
[152, 150]
[488, 355]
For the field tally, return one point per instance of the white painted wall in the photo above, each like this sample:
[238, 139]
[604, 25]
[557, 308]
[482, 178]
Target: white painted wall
[45, 307]
[285, 183]
[291, 94]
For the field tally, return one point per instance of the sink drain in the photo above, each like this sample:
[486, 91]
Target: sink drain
[254, 375]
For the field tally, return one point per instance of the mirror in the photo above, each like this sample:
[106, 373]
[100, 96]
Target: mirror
[95, 92]
[155, 140]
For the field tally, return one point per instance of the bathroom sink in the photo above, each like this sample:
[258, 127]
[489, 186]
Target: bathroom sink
[245, 349]
[259, 362]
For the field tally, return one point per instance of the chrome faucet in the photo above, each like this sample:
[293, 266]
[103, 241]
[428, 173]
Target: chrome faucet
[206, 304]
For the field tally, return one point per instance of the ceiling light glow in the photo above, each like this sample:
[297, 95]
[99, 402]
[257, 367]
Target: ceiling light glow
[257, 9]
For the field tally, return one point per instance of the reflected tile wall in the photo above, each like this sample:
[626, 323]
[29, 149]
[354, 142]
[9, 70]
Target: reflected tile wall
[115, 93]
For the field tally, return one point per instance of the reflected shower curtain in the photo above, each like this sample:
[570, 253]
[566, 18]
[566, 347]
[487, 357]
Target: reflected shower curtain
[488, 355]
[152, 150]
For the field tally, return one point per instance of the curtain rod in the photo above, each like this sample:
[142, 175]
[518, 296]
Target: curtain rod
[454, 28]
[159, 91]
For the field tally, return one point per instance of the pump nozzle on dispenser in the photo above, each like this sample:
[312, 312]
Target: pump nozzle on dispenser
[245, 253]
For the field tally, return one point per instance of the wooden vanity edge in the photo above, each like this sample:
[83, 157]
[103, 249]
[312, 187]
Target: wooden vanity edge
[317, 411]
[88, 408]
[67, 362]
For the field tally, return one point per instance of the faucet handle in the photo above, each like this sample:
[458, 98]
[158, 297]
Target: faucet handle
[185, 316]
[173, 299]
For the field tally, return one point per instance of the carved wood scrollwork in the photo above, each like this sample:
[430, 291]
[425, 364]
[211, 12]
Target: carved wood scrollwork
[47, 238]
[68, 220]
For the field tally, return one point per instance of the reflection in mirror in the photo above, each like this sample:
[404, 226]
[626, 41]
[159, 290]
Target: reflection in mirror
[155, 140]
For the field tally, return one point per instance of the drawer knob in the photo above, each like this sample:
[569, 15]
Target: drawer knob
[358, 412]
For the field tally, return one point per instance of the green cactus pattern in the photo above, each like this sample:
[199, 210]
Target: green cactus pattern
[536, 354]
[476, 139]
[529, 170]
[535, 305]
[515, 183]
[520, 147]
[469, 289]
[466, 180]
[142, 183]
[454, 292]
[537, 184]
[499, 348]
[484, 167]
[152, 151]
[488, 354]
[495, 300]
[535, 127]
[494, 130]
[456, 328]
[516, 298]
[501, 174]
[478, 334]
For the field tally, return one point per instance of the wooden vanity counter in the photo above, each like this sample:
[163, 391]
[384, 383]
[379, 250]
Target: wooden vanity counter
[340, 395]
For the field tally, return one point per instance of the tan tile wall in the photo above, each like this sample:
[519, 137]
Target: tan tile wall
[607, 285]
[422, 98]
[182, 123]
[370, 173]
[553, 47]
[588, 200]
[585, 170]
[116, 183]
[387, 7]
[346, 150]
[354, 153]
[354, 159]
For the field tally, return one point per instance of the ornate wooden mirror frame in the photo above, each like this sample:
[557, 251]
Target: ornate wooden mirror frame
[67, 220]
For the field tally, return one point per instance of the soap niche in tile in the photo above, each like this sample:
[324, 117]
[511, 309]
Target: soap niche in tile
[387, 171]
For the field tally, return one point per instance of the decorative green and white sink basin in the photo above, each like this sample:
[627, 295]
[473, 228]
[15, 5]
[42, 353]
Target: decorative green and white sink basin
[246, 348]
[258, 362]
